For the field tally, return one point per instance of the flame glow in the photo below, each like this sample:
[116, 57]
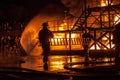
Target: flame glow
[117, 19]
[93, 47]
[63, 27]
[105, 2]
[72, 35]
[29, 39]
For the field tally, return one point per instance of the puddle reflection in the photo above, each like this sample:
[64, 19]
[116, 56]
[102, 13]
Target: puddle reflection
[55, 62]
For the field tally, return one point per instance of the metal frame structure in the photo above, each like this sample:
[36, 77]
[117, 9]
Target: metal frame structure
[100, 21]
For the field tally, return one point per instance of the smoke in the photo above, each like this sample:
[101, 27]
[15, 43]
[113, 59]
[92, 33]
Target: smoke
[29, 39]
[75, 6]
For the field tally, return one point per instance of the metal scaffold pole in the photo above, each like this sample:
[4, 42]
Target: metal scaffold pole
[85, 14]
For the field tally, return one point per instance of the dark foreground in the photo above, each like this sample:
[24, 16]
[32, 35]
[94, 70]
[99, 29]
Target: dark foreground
[59, 67]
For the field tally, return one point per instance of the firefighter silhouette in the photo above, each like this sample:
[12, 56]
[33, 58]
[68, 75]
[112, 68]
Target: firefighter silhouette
[45, 66]
[116, 41]
[44, 35]
[87, 37]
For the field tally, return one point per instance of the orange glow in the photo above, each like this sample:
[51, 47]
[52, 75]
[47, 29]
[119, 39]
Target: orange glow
[108, 46]
[63, 27]
[29, 38]
[72, 35]
[58, 62]
[57, 65]
[61, 35]
[117, 19]
[105, 2]
[93, 47]
[105, 38]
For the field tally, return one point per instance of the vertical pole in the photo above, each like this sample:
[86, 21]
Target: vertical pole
[101, 12]
[95, 39]
[85, 14]
[86, 51]
[109, 22]
[70, 45]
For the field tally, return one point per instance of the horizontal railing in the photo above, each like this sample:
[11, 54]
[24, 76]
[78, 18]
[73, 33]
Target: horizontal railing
[65, 41]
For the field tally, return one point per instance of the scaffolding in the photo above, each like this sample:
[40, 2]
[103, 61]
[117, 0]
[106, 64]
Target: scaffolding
[100, 19]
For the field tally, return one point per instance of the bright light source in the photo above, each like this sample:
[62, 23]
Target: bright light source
[117, 19]
[105, 2]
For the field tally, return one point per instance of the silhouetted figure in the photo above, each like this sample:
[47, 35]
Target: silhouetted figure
[87, 37]
[45, 66]
[116, 41]
[44, 35]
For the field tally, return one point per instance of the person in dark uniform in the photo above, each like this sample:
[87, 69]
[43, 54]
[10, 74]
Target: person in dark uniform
[116, 41]
[87, 37]
[44, 35]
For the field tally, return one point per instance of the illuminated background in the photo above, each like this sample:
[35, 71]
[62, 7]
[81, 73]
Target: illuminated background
[59, 20]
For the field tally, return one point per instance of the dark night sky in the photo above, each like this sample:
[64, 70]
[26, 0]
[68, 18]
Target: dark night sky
[26, 9]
